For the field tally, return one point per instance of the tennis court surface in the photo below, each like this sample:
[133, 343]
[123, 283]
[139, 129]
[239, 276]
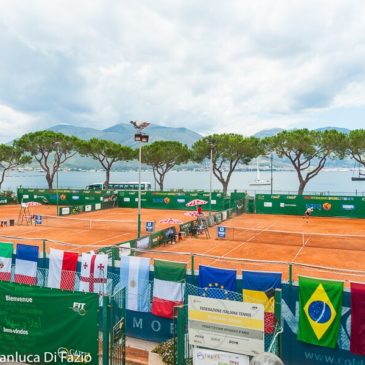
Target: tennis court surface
[325, 247]
[82, 232]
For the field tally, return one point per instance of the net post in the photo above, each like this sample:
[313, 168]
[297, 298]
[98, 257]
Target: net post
[290, 274]
[192, 269]
[278, 317]
[180, 320]
[113, 256]
[44, 252]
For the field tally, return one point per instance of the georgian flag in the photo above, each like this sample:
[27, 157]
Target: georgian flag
[94, 271]
[62, 269]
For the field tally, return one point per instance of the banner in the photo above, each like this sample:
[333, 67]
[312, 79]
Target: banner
[226, 325]
[210, 357]
[39, 325]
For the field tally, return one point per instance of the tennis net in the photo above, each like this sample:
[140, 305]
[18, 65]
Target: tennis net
[89, 224]
[287, 238]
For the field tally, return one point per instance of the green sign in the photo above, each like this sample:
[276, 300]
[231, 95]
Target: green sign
[40, 325]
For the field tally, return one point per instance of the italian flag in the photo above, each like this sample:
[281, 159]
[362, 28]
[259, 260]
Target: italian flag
[168, 287]
[6, 253]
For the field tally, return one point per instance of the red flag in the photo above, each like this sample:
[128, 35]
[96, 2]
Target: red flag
[357, 342]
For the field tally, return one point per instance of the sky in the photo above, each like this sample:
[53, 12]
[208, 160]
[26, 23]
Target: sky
[210, 66]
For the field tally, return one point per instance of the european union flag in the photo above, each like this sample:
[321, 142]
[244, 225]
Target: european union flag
[217, 283]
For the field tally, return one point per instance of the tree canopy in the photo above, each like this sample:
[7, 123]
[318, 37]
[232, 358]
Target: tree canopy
[106, 152]
[50, 149]
[162, 156]
[228, 151]
[356, 145]
[307, 151]
[10, 157]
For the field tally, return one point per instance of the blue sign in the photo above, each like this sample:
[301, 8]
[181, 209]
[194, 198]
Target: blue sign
[38, 219]
[221, 231]
[150, 226]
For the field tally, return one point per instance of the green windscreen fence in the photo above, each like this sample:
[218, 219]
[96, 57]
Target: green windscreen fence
[171, 200]
[324, 206]
[65, 196]
[48, 325]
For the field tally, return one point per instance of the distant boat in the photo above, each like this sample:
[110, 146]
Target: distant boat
[360, 177]
[258, 180]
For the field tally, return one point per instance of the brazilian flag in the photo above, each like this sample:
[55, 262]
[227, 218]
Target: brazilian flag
[320, 303]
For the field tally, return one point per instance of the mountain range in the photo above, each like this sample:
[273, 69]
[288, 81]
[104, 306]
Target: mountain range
[123, 133]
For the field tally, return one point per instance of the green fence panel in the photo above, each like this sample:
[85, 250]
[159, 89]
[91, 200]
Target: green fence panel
[7, 199]
[170, 200]
[324, 206]
[65, 196]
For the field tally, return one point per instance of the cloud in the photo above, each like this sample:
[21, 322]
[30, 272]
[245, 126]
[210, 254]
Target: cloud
[209, 66]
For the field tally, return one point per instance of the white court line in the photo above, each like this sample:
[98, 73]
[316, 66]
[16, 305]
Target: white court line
[300, 250]
[244, 242]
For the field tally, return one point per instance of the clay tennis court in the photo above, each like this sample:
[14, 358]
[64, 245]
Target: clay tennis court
[82, 232]
[335, 244]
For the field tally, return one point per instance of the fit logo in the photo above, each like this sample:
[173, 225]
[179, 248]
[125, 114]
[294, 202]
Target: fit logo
[79, 308]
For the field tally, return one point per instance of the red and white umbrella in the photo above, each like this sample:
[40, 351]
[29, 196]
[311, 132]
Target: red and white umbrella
[170, 221]
[196, 202]
[193, 213]
[31, 204]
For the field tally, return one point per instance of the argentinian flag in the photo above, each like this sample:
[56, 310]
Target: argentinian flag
[134, 276]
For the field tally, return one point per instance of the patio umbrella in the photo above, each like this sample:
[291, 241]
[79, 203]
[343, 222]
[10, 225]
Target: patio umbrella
[31, 204]
[193, 213]
[170, 221]
[196, 202]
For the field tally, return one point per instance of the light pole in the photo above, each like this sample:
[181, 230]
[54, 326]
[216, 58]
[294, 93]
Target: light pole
[141, 138]
[271, 175]
[212, 146]
[57, 144]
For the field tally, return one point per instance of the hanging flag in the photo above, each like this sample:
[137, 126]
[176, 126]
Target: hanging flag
[217, 283]
[259, 287]
[6, 253]
[168, 287]
[320, 303]
[26, 261]
[62, 269]
[357, 341]
[134, 276]
[94, 271]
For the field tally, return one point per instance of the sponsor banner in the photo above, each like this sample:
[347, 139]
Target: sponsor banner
[210, 357]
[34, 322]
[97, 206]
[75, 197]
[221, 232]
[268, 204]
[181, 200]
[283, 205]
[65, 211]
[348, 206]
[88, 208]
[213, 202]
[226, 325]
[126, 199]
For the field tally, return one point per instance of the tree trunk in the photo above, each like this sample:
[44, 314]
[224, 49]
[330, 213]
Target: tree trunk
[2, 177]
[107, 178]
[302, 185]
[225, 187]
[49, 181]
[160, 182]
